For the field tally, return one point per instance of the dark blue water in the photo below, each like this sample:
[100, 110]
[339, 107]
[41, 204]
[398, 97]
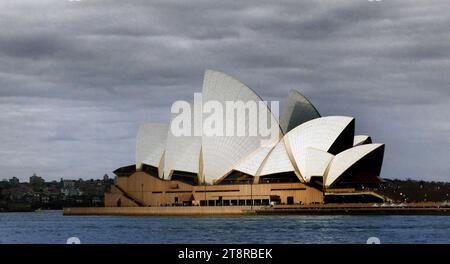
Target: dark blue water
[53, 227]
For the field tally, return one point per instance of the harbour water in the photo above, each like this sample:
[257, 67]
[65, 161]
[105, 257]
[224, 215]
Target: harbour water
[53, 227]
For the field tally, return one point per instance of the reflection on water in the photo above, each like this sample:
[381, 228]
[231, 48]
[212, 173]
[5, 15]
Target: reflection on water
[53, 227]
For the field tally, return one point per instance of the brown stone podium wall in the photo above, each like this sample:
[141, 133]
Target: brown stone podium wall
[142, 188]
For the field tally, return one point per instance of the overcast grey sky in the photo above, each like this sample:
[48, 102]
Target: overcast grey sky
[77, 78]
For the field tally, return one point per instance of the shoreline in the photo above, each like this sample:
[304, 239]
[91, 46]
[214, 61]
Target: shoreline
[329, 209]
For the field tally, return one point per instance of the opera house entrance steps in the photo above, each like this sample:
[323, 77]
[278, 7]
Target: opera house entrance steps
[129, 196]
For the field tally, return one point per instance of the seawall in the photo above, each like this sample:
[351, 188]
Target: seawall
[329, 209]
[158, 211]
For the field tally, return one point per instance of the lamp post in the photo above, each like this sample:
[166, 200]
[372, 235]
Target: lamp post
[251, 195]
[142, 192]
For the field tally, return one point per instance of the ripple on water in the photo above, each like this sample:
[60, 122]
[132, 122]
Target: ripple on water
[53, 227]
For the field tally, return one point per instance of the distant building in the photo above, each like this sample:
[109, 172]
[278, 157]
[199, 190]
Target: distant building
[51, 195]
[68, 184]
[69, 188]
[36, 181]
[14, 181]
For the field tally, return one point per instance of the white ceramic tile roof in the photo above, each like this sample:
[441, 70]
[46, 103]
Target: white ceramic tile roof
[223, 153]
[318, 133]
[182, 152]
[277, 162]
[316, 163]
[297, 109]
[361, 139]
[251, 164]
[346, 159]
[150, 144]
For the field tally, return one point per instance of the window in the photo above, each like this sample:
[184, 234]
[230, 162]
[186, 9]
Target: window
[290, 200]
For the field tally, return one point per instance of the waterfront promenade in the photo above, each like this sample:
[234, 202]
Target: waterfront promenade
[324, 209]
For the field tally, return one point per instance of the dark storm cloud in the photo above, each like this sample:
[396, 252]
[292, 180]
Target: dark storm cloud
[77, 78]
[31, 46]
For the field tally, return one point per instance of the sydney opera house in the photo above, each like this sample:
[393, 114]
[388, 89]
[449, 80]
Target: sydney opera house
[315, 159]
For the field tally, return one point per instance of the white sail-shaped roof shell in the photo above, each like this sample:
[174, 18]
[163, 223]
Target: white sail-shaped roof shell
[150, 144]
[316, 164]
[252, 164]
[346, 159]
[223, 153]
[182, 152]
[297, 109]
[318, 133]
[361, 140]
[277, 162]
